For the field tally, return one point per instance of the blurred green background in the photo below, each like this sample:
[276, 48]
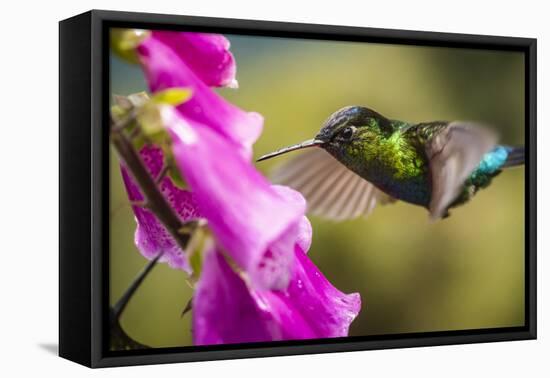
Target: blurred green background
[464, 272]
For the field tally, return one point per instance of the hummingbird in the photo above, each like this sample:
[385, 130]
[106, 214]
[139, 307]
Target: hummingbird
[360, 158]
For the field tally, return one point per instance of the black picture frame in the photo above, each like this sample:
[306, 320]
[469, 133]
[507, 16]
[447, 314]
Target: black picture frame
[84, 187]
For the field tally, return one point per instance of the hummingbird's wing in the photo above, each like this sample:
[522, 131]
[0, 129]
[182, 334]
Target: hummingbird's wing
[454, 152]
[331, 190]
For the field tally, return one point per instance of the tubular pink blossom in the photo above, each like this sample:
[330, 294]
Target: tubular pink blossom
[207, 55]
[255, 223]
[226, 310]
[257, 283]
[165, 68]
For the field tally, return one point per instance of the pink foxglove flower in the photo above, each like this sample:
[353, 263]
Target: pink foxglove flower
[207, 55]
[166, 65]
[257, 283]
[195, 61]
[252, 220]
[227, 310]
[274, 292]
[264, 247]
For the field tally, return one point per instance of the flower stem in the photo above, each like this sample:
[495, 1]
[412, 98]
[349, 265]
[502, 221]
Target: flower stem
[119, 307]
[157, 204]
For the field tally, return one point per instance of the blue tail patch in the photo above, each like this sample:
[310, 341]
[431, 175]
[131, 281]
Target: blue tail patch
[494, 160]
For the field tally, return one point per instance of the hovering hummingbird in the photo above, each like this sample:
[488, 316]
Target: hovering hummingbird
[360, 158]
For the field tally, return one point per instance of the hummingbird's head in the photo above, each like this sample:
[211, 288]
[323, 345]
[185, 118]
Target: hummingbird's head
[346, 131]
[352, 125]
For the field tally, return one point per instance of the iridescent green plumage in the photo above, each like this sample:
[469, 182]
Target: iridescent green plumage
[437, 165]
[387, 157]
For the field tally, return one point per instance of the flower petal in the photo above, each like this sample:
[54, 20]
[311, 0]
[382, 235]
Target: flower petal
[327, 311]
[227, 311]
[206, 54]
[151, 237]
[254, 222]
[165, 68]
[223, 310]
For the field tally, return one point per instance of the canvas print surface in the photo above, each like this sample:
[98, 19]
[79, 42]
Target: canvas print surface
[269, 189]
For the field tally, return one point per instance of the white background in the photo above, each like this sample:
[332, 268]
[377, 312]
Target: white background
[29, 189]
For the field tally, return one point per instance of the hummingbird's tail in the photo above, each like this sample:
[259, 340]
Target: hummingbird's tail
[516, 156]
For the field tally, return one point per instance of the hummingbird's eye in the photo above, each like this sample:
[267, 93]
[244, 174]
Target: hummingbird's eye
[347, 133]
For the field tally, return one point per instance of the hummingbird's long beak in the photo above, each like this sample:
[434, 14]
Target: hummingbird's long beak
[306, 144]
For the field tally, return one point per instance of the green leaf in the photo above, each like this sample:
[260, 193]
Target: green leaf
[125, 41]
[139, 142]
[150, 120]
[118, 113]
[172, 96]
[177, 178]
[196, 250]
